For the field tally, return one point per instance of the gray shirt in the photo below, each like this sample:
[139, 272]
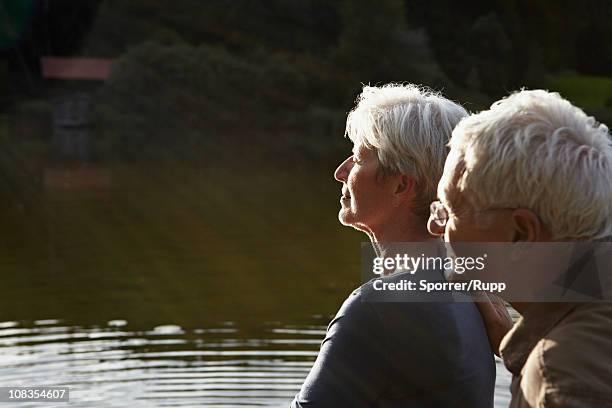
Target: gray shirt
[401, 354]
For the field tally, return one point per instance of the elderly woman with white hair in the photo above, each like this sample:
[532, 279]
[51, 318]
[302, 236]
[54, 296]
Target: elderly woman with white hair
[398, 353]
[535, 169]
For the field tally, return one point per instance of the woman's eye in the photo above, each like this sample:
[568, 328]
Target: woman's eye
[356, 160]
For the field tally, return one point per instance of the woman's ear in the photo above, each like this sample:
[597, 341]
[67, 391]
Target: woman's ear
[405, 185]
[528, 227]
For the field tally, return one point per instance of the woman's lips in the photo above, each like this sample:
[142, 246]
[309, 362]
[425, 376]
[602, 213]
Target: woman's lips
[345, 195]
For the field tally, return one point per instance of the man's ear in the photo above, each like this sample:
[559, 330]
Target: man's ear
[528, 227]
[405, 185]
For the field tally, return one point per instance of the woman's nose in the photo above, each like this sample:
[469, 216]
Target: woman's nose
[343, 170]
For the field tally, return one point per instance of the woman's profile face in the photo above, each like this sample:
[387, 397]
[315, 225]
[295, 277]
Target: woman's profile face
[365, 202]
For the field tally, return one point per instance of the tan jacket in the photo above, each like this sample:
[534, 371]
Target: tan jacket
[561, 356]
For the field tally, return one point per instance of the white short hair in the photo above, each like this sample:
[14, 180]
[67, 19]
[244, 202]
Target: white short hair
[535, 150]
[409, 126]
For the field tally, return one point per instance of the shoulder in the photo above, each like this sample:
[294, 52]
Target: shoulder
[390, 318]
[390, 297]
[355, 314]
[570, 366]
[579, 345]
[449, 329]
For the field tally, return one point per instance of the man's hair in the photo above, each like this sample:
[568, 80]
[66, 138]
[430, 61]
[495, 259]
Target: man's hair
[409, 127]
[536, 150]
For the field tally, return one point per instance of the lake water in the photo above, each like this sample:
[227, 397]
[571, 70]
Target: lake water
[166, 366]
[170, 285]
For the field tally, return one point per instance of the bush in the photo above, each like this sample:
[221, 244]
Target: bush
[174, 95]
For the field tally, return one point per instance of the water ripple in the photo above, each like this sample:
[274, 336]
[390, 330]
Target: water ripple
[167, 365]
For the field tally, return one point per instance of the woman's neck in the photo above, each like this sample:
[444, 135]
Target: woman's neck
[385, 239]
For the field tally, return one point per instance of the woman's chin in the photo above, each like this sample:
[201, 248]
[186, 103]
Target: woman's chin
[346, 218]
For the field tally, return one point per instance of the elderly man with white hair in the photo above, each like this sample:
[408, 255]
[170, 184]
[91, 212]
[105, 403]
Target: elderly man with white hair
[535, 169]
[398, 354]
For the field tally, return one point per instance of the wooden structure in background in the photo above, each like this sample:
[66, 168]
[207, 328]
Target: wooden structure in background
[72, 169]
[96, 69]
